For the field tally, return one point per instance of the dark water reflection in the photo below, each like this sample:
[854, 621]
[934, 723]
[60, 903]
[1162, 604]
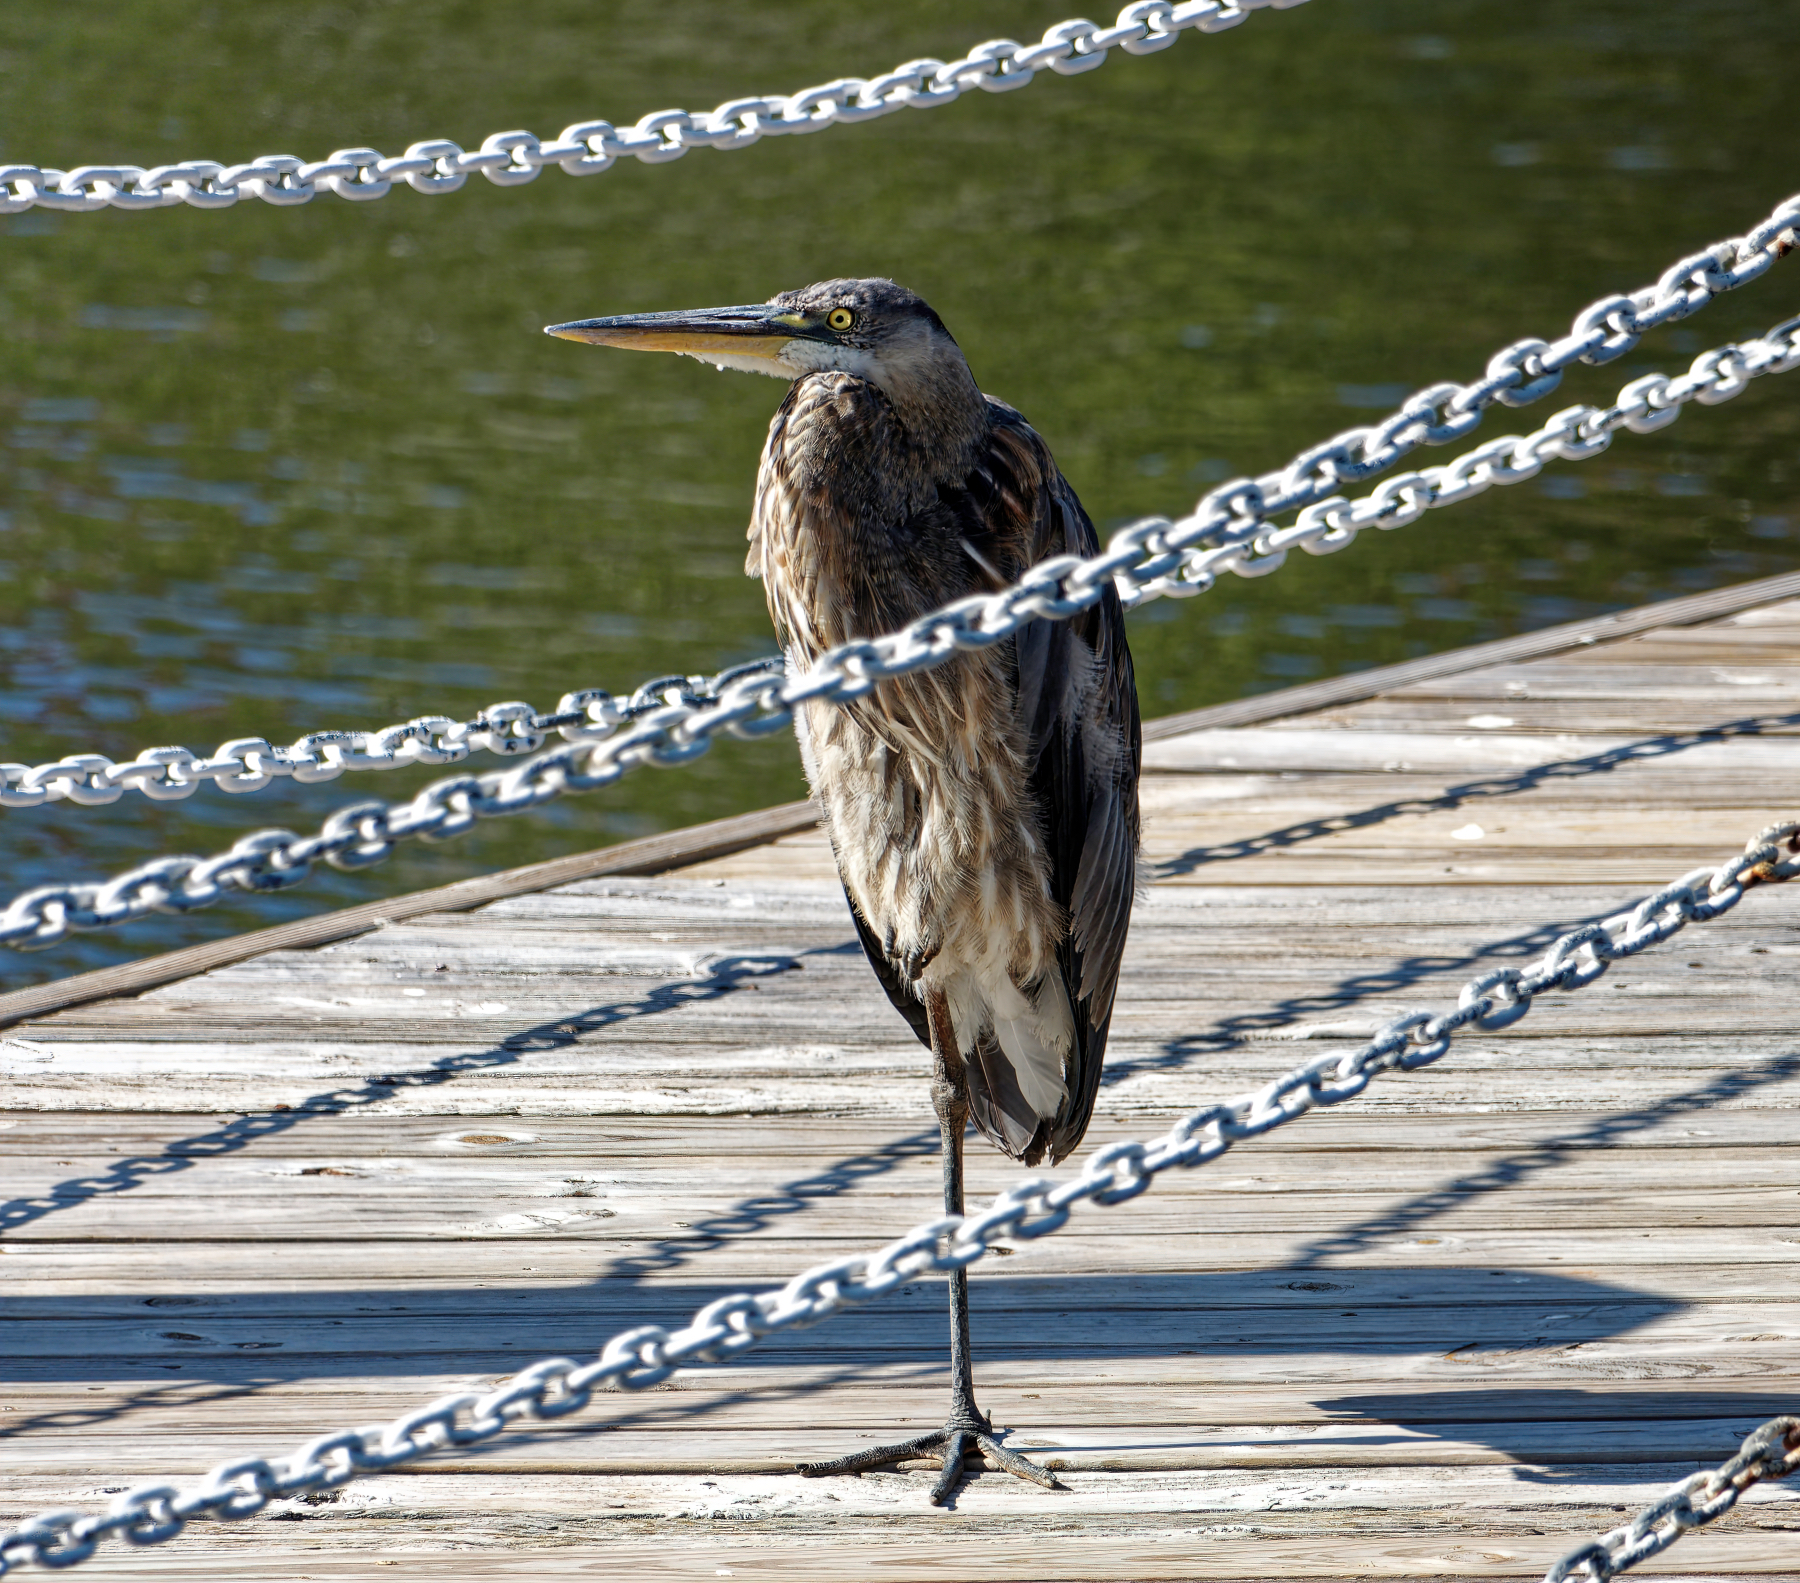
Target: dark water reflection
[270, 470]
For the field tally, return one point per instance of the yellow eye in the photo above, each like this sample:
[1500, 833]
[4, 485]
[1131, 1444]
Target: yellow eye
[840, 318]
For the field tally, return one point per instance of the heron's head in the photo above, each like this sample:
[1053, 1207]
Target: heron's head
[871, 328]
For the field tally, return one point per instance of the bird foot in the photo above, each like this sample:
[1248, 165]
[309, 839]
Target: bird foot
[951, 1448]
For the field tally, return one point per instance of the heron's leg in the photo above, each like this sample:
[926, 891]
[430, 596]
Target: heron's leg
[950, 1099]
[968, 1429]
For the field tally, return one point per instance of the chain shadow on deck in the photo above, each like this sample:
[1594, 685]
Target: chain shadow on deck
[1176, 1301]
[1512, 1170]
[1452, 797]
[1218, 1312]
[722, 977]
[664, 1407]
[1280, 1018]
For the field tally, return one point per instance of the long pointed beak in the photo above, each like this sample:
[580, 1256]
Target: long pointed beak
[757, 332]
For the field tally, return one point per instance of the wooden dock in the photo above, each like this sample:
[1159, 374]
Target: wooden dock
[1449, 1329]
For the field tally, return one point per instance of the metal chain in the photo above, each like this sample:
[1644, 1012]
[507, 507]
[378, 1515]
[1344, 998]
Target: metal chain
[646, 1355]
[1516, 375]
[1771, 1452]
[247, 764]
[509, 159]
[1231, 527]
[1143, 561]
[1229, 522]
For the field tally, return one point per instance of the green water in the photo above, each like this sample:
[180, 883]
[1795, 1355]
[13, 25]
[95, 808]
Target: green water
[274, 470]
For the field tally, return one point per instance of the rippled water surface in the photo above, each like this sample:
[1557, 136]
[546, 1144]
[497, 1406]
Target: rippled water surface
[274, 470]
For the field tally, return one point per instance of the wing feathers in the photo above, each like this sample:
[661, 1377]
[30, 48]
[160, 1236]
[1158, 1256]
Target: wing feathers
[1077, 704]
[1077, 695]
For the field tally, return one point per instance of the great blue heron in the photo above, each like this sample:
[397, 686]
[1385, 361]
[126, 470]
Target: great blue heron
[983, 814]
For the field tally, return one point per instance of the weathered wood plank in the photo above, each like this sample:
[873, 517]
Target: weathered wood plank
[1363, 1497]
[1392, 1311]
[650, 1447]
[616, 1220]
[555, 1545]
[648, 855]
[198, 1283]
[1675, 613]
[1571, 1135]
[1575, 1138]
[356, 1171]
[1147, 1088]
[1446, 1330]
[1097, 1246]
[1307, 747]
[1402, 1390]
[1534, 714]
[1768, 683]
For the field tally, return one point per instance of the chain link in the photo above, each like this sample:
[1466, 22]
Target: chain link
[1231, 528]
[1515, 376]
[247, 764]
[508, 159]
[1033, 1207]
[676, 718]
[1771, 1452]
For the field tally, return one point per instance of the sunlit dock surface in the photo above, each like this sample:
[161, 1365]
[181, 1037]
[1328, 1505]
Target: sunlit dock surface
[1451, 1328]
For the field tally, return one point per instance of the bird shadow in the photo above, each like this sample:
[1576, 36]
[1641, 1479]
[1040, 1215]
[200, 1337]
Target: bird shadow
[1533, 1423]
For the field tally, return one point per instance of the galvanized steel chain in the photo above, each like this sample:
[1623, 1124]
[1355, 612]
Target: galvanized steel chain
[1518, 374]
[247, 764]
[1144, 561]
[609, 735]
[1230, 529]
[509, 159]
[646, 1355]
[1770, 1452]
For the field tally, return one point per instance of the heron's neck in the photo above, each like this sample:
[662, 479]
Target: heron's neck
[941, 410]
[849, 534]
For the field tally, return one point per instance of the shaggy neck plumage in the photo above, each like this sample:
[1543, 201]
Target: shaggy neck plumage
[940, 407]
